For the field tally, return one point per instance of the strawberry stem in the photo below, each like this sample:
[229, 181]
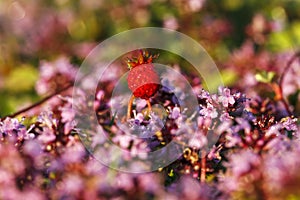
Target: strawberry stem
[149, 106]
[129, 109]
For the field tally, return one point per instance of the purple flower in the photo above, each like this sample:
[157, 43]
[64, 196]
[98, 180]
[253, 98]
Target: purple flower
[281, 167]
[198, 141]
[49, 125]
[224, 127]
[242, 125]
[100, 95]
[12, 127]
[289, 123]
[214, 153]
[225, 97]
[73, 153]
[122, 140]
[73, 184]
[171, 23]
[242, 162]
[139, 118]
[140, 104]
[274, 130]
[286, 123]
[32, 148]
[54, 75]
[68, 117]
[225, 117]
[46, 119]
[204, 95]
[232, 140]
[46, 135]
[209, 111]
[98, 136]
[175, 112]
[189, 188]
[243, 169]
[67, 114]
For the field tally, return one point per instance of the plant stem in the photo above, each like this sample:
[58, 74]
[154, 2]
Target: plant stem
[39, 102]
[279, 88]
[287, 67]
[149, 106]
[203, 166]
[129, 108]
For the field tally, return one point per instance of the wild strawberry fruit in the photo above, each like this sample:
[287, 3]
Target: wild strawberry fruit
[142, 79]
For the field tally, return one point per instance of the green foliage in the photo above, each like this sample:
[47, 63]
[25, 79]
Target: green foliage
[18, 88]
[286, 39]
[265, 77]
[22, 79]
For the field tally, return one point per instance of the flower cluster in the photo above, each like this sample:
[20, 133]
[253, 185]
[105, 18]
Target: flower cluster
[55, 76]
[79, 140]
[228, 147]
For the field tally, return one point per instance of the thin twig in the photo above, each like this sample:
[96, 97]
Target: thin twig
[39, 102]
[287, 67]
[44, 99]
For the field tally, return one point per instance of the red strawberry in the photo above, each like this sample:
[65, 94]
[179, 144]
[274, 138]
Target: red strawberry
[142, 79]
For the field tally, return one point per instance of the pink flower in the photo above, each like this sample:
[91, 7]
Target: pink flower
[12, 127]
[175, 113]
[171, 23]
[198, 141]
[243, 162]
[46, 135]
[225, 97]
[73, 153]
[209, 111]
[55, 75]
[73, 184]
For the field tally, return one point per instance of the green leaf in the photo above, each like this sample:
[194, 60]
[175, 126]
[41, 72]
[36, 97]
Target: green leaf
[265, 77]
